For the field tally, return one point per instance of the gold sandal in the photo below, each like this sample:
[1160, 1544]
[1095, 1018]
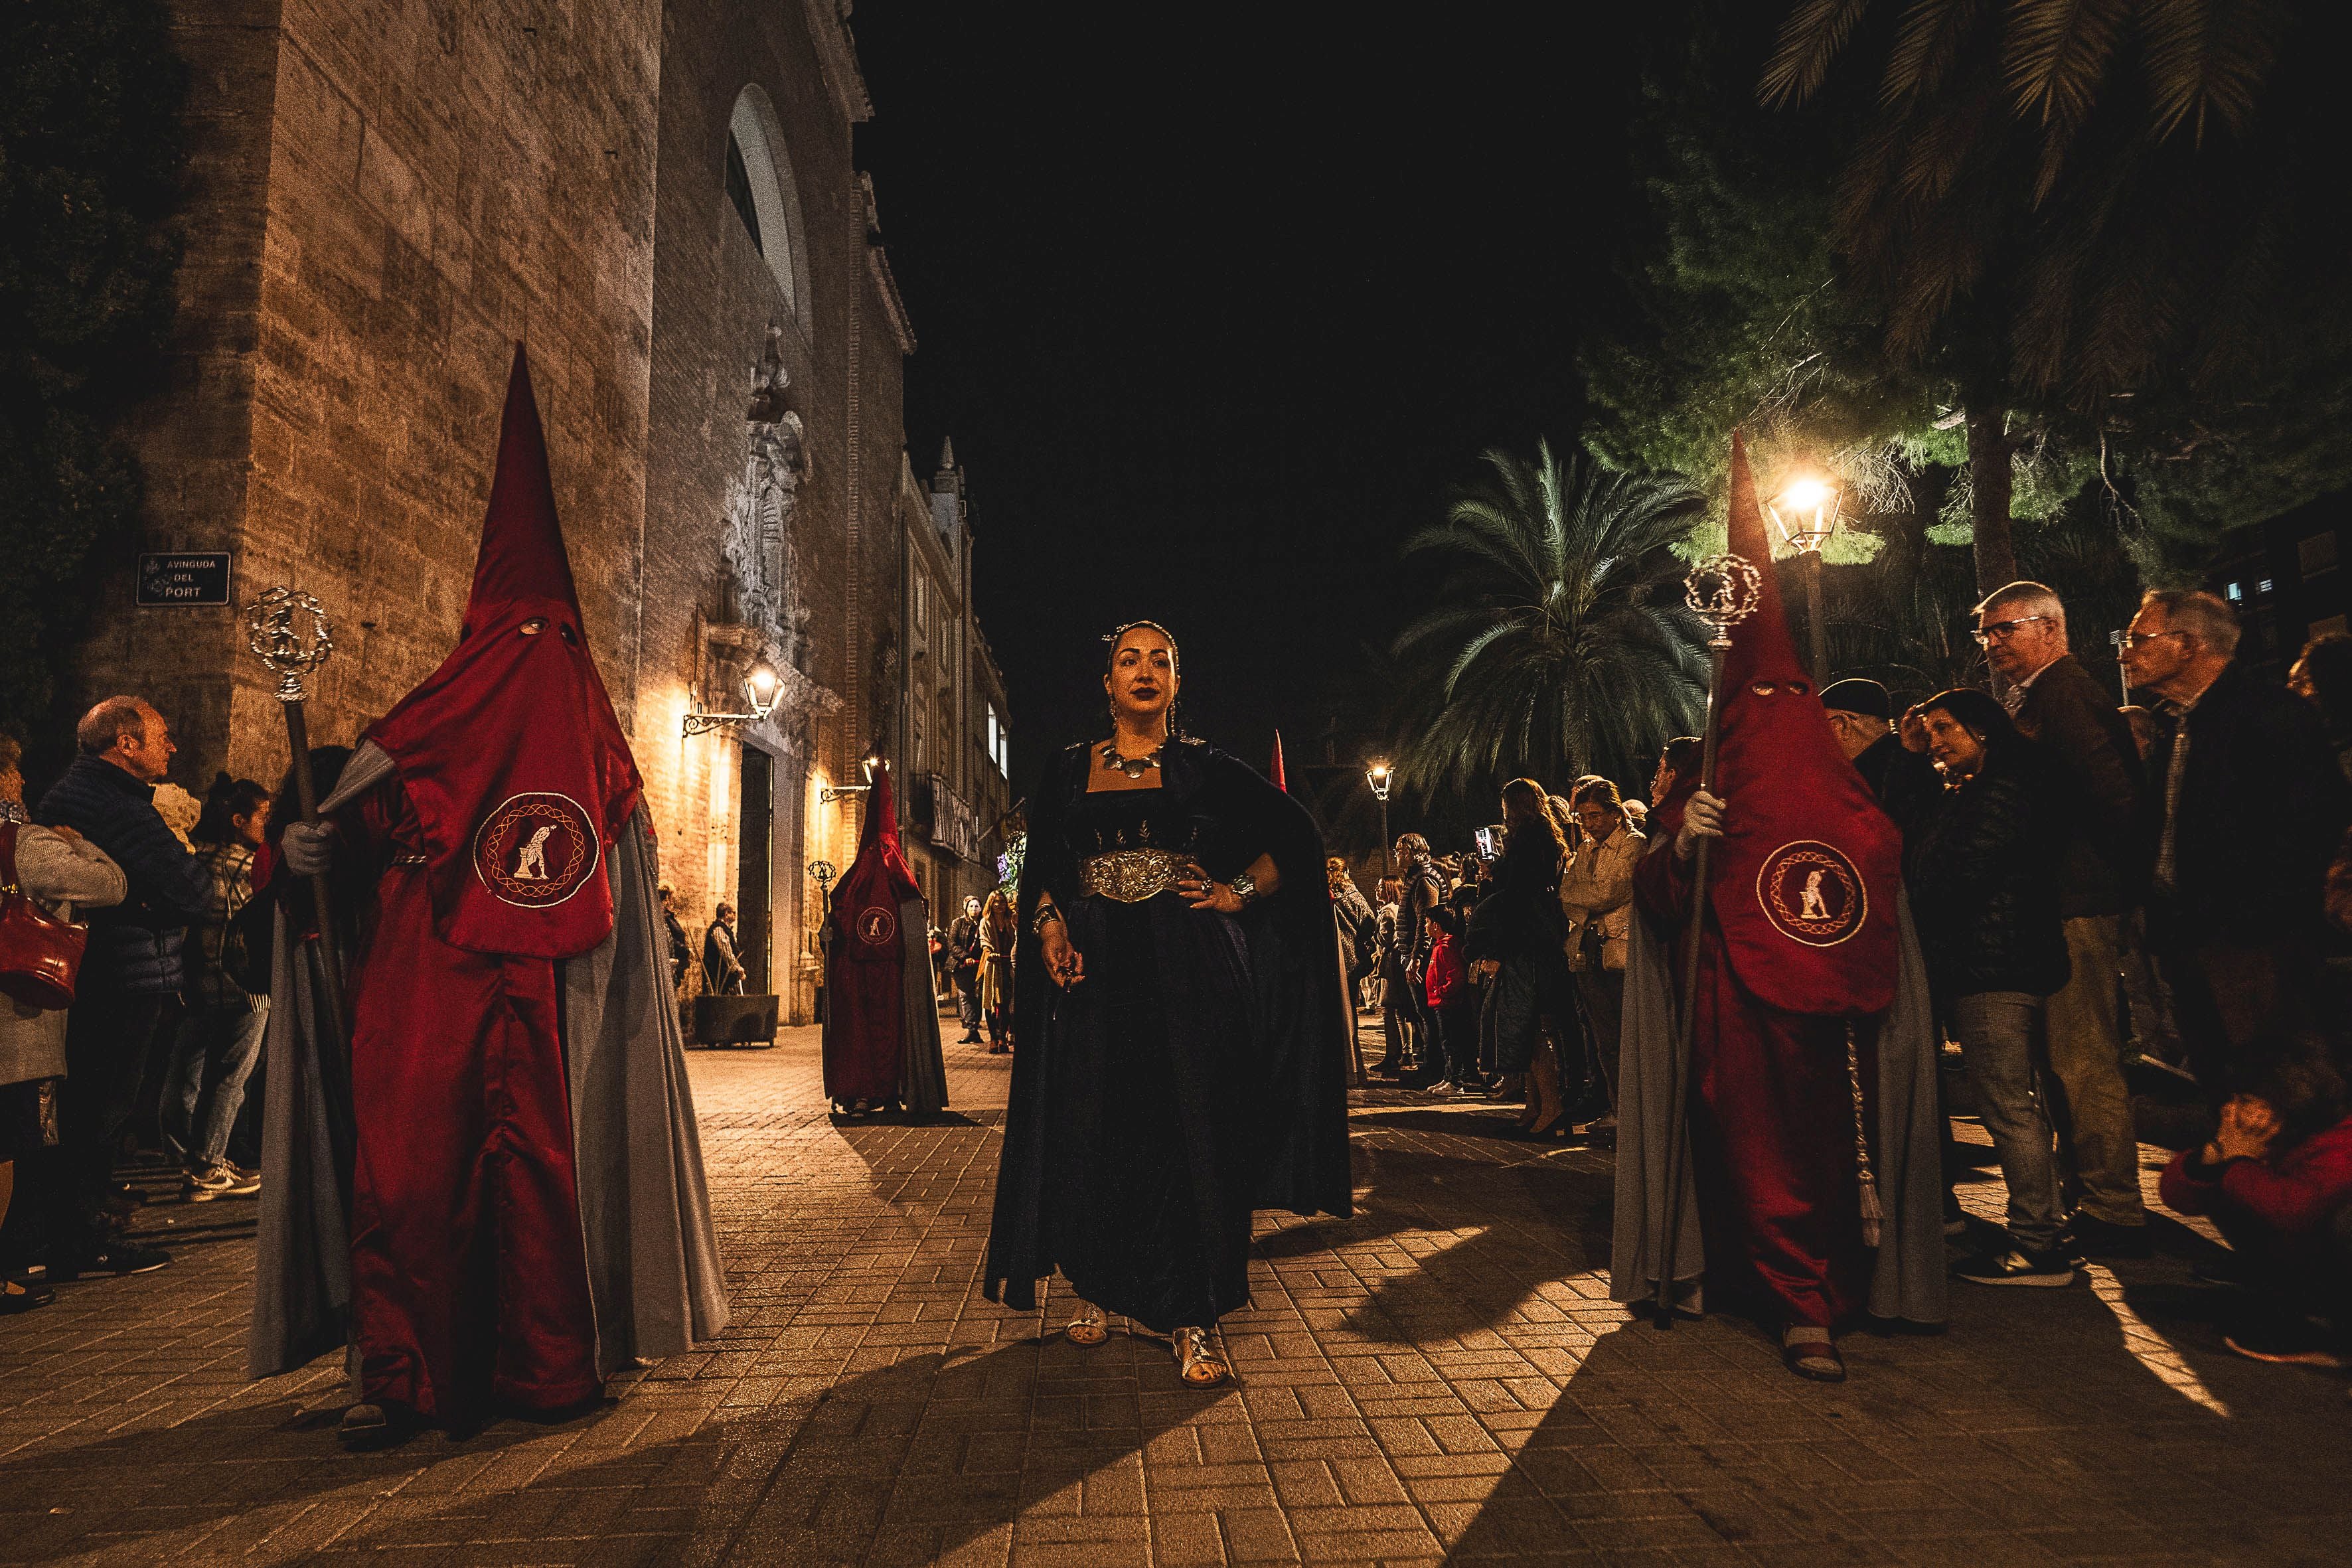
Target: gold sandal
[1196, 1363]
[1090, 1326]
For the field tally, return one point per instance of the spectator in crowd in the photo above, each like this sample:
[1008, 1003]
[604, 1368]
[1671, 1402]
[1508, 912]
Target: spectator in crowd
[2322, 675]
[722, 971]
[62, 872]
[1982, 861]
[2106, 841]
[1518, 939]
[1861, 716]
[1637, 815]
[1597, 892]
[999, 935]
[1358, 928]
[2276, 1179]
[220, 1034]
[1445, 989]
[681, 951]
[126, 1000]
[1455, 1006]
[963, 966]
[1679, 758]
[1388, 970]
[2254, 809]
[1418, 894]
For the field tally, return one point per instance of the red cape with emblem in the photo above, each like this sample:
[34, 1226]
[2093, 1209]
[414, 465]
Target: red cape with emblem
[866, 1009]
[1806, 875]
[510, 751]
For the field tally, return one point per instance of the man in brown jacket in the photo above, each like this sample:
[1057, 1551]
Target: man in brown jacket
[2110, 846]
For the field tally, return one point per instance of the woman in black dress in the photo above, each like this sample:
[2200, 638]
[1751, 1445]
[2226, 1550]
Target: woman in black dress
[1183, 1037]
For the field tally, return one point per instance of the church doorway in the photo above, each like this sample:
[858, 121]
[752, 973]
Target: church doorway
[755, 798]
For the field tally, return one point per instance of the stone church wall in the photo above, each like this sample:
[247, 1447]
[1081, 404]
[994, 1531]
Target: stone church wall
[386, 194]
[440, 180]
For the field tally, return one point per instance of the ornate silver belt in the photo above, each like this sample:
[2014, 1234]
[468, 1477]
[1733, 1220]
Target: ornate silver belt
[1131, 875]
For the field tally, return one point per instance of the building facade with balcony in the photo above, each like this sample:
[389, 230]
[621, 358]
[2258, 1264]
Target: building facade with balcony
[953, 741]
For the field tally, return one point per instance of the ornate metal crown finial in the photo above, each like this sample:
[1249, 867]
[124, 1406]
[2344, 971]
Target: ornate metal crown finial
[823, 872]
[291, 650]
[1723, 590]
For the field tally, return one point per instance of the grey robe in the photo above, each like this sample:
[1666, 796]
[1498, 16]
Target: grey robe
[645, 1215]
[1908, 1279]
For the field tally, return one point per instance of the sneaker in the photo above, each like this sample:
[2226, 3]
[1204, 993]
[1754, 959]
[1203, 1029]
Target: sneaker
[119, 1257]
[2015, 1266]
[242, 1183]
[2104, 1238]
[2286, 1341]
[203, 1186]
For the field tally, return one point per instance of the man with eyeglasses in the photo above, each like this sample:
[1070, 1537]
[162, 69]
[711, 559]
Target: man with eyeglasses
[2253, 806]
[2109, 844]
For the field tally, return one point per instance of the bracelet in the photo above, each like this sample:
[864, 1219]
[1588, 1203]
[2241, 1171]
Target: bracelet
[1046, 913]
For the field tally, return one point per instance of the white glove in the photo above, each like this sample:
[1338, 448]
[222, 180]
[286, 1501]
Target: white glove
[1702, 818]
[309, 847]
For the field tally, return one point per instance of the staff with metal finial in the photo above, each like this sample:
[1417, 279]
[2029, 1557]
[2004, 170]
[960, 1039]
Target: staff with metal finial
[1721, 590]
[290, 653]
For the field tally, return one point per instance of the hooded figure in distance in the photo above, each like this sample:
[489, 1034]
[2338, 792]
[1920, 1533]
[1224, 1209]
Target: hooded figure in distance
[499, 1198]
[881, 1024]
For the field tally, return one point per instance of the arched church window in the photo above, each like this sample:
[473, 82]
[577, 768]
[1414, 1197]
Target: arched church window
[759, 179]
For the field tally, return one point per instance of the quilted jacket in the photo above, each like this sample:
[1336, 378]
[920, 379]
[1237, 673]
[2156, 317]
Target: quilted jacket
[1984, 861]
[134, 947]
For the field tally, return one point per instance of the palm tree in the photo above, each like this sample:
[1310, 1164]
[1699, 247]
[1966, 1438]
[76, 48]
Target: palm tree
[2071, 201]
[1558, 642]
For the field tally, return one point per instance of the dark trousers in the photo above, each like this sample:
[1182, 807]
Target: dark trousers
[967, 989]
[1457, 1022]
[2224, 995]
[109, 1038]
[1410, 1007]
[1603, 993]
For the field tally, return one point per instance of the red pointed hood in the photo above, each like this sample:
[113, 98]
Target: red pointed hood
[865, 904]
[510, 751]
[1809, 868]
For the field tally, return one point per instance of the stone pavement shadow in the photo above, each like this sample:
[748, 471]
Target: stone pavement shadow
[914, 1459]
[152, 1487]
[1530, 1223]
[2106, 1419]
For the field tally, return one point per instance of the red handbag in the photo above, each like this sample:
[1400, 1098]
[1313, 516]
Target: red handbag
[39, 955]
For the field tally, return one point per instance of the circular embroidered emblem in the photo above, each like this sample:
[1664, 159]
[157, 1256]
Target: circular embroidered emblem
[877, 926]
[536, 850]
[1811, 893]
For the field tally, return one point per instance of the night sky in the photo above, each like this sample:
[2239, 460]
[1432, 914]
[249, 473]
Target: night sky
[1218, 303]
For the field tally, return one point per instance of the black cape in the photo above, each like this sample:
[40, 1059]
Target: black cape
[1291, 1095]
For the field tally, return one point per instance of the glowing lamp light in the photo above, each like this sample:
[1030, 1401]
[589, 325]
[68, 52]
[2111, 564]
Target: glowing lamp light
[1806, 512]
[760, 684]
[1379, 777]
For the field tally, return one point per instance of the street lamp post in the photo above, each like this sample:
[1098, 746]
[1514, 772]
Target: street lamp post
[1806, 514]
[1377, 777]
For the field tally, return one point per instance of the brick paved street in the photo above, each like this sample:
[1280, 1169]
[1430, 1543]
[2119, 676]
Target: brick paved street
[1442, 1375]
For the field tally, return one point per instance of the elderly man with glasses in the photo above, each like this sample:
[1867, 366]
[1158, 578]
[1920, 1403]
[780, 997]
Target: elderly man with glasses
[2253, 806]
[2107, 814]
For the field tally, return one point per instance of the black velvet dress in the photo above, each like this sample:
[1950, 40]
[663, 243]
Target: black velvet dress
[1195, 1074]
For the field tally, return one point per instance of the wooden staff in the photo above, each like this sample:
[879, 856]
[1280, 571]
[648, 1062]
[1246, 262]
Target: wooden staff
[1723, 590]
